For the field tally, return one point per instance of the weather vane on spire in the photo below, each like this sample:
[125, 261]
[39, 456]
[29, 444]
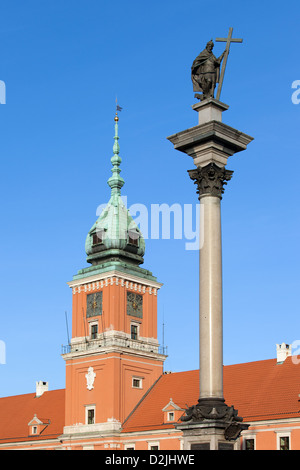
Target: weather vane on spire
[116, 181]
[206, 69]
[118, 108]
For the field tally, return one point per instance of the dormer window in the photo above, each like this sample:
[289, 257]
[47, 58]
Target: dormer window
[172, 412]
[37, 426]
[98, 237]
[133, 237]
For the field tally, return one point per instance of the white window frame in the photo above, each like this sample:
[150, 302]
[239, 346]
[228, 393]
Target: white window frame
[34, 429]
[130, 446]
[248, 437]
[137, 324]
[140, 379]
[93, 323]
[168, 416]
[153, 443]
[87, 409]
[283, 434]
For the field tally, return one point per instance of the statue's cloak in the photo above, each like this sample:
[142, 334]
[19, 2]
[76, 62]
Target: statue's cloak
[197, 67]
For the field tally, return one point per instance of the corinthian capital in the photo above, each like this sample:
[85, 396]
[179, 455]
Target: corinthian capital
[210, 179]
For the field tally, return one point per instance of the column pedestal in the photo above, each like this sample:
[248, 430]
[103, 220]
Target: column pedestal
[211, 421]
[206, 436]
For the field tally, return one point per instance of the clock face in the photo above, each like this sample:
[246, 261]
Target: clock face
[94, 304]
[134, 305]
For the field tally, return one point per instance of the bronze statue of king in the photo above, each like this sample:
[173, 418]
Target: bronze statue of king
[206, 72]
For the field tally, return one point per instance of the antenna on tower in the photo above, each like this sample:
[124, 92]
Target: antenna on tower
[84, 326]
[164, 348]
[163, 331]
[67, 327]
[103, 327]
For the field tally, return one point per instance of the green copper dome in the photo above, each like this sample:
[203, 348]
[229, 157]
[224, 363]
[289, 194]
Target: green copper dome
[115, 236]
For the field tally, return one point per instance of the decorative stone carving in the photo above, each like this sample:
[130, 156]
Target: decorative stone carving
[209, 409]
[210, 179]
[90, 378]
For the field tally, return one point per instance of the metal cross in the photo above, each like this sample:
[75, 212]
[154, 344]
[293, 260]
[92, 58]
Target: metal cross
[228, 41]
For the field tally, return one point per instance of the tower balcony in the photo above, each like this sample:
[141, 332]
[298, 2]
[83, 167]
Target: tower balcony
[113, 339]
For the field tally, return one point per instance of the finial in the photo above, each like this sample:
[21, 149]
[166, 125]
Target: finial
[118, 108]
[116, 181]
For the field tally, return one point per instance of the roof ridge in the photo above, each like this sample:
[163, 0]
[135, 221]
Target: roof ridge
[250, 362]
[33, 393]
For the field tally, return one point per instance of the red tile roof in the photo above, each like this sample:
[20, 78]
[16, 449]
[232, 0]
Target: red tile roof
[260, 390]
[17, 411]
[264, 389]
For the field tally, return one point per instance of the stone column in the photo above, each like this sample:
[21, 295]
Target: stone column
[211, 423]
[210, 301]
[210, 181]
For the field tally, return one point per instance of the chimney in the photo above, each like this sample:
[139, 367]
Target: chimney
[41, 387]
[283, 351]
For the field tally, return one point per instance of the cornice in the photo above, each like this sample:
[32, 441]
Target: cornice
[114, 277]
[213, 130]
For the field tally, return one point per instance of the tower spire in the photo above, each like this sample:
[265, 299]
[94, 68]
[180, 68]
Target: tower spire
[115, 237]
[116, 182]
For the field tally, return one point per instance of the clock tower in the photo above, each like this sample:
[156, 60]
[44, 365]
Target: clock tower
[113, 357]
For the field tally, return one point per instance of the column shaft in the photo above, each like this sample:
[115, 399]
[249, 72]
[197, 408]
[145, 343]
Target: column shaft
[211, 321]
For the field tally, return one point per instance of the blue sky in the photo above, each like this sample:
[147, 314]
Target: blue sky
[63, 64]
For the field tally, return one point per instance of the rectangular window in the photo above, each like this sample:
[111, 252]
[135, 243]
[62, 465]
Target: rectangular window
[249, 444]
[97, 238]
[284, 443]
[171, 416]
[90, 412]
[91, 416]
[136, 382]
[134, 331]
[94, 331]
[34, 429]
[154, 445]
[133, 238]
